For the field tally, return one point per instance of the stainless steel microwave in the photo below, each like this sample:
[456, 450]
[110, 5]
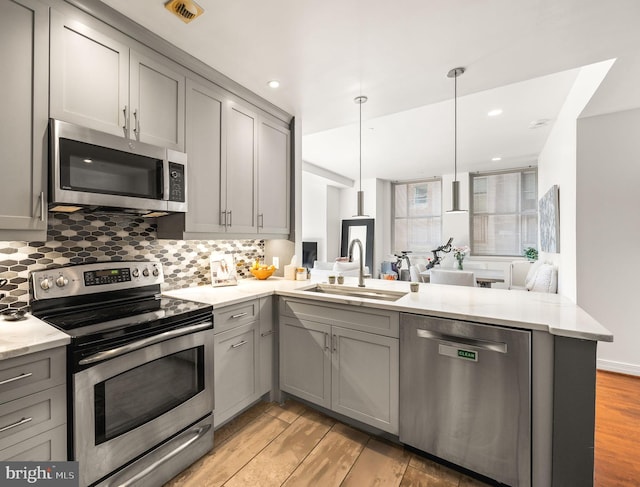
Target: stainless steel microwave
[104, 172]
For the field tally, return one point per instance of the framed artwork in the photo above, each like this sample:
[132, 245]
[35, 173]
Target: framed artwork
[549, 211]
[362, 229]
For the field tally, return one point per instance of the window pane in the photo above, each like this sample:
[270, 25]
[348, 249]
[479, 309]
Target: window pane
[400, 200]
[417, 215]
[504, 217]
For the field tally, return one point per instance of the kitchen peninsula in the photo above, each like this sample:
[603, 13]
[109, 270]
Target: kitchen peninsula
[562, 352]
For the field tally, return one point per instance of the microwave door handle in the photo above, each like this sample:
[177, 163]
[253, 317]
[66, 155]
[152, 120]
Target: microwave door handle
[165, 178]
[145, 342]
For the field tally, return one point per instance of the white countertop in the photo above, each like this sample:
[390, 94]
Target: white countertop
[519, 309]
[28, 336]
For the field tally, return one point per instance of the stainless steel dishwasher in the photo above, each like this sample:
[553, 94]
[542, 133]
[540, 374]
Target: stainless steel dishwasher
[465, 395]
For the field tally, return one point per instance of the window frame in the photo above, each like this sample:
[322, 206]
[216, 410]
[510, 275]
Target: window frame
[521, 213]
[393, 209]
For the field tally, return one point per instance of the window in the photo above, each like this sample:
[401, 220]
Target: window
[504, 212]
[417, 215]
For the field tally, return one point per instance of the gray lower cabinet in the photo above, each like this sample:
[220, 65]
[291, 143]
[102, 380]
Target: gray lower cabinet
[267, 345]
[24, 101]
[236, 362]
[33, 409]
[342, 368]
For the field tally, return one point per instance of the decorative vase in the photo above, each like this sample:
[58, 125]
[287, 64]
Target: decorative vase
[460, 259]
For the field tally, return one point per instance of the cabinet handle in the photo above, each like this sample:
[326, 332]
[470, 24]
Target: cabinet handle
[326, 337]
[261, 220]
[13, 379]
[266, 333]
[125, 127]
[239, 315]
[16, 424]
[243, 342]
[223, 222]
[42, 206]
[230, 218]
[136, 124]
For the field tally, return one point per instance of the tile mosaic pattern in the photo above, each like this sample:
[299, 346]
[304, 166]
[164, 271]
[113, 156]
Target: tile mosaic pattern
[80, 238]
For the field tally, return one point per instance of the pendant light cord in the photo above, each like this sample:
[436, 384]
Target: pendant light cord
[455, 127]
[360, 146]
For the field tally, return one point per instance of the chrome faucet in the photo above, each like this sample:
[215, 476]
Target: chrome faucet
[361, 274]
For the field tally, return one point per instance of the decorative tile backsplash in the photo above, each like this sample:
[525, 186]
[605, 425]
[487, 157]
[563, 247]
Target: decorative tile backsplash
[80, 238]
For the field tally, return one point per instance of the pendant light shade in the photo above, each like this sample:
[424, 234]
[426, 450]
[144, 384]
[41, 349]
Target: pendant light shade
[360, 203]
[455, 185]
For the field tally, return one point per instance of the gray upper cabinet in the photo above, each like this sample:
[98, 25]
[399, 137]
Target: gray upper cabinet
[240, 171]
[24, 54]
[98, 82]
[156, 94]
[274, 201]
[205, 145]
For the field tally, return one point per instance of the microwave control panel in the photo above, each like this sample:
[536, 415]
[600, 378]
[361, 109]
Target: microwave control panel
[176, 182]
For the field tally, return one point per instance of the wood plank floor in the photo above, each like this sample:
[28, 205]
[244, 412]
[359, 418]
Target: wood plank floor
[271, 445]
[617, 463]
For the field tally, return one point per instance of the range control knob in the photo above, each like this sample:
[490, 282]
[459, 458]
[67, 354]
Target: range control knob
[62, 281]
[174, 174]
[45, 284]
[145, 272]
[156, 272]
[135, 272]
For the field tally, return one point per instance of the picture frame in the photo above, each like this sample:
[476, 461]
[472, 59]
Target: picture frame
[362, 229]
[549, 214]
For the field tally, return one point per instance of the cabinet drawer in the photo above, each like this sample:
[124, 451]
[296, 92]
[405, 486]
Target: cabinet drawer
[361, 318]
[48, 446]
[235, 315]
[27, 374]
[31, 415]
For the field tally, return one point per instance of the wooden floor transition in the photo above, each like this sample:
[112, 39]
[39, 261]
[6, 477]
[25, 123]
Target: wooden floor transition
[292, 445]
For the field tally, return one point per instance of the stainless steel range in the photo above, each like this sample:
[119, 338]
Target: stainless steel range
[140, 370]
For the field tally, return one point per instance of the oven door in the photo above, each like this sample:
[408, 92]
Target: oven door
[125, 406]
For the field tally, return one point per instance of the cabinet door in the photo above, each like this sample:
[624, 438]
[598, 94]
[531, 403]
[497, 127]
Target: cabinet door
[89, 77]
[205, 146]
[266, 345]
[365, 380]
[305, 360]
[236, 362]
[24, 53]
[273, 178]
[156, 94]
[241, 169]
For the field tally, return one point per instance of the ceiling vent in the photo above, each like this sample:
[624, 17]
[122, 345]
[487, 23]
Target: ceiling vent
[185, 10]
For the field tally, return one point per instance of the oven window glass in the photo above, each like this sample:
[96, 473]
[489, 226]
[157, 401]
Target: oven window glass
[137, 396]
[94, 169]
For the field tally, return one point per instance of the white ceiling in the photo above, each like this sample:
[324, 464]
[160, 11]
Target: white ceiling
[326, 52]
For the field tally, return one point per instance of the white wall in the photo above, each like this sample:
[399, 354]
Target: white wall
[314, 210]
[608, 232]
[557, 165]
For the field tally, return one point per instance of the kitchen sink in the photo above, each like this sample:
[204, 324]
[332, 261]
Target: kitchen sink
[357, 292]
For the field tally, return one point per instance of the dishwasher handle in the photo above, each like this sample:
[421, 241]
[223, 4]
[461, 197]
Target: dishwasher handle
[471, 342]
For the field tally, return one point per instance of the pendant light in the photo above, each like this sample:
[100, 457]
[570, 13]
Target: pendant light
[360, 100]
[455, 185]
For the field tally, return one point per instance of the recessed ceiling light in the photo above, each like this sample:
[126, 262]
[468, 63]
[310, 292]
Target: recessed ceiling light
[274, 83]
[495, 113]
[496, 159]
[541, 122]
[88, 161]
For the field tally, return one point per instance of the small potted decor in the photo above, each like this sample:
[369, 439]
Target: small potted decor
[531, 253]
[460, 253]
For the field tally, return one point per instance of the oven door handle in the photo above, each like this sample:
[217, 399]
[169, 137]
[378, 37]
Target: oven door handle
[192, 436]
[145, 342]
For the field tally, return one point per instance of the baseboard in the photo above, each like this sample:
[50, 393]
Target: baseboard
[620, 367]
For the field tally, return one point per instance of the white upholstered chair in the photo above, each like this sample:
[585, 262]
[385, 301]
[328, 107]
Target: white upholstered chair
[518, 271]
[455, 278]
